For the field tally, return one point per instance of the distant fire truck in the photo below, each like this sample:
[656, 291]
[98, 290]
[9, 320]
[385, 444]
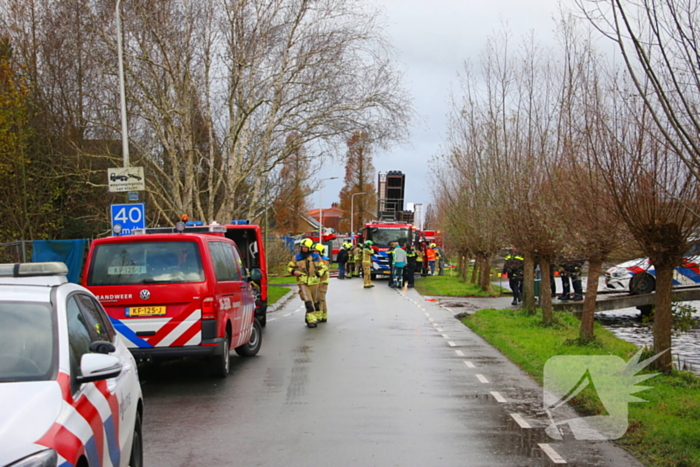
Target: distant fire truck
[382, 233]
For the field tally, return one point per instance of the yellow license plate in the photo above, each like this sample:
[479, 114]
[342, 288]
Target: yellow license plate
[145, 311]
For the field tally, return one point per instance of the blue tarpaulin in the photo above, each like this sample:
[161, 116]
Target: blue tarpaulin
[70, 252]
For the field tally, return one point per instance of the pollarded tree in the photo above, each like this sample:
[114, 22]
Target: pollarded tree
[655, 194]
[359, 178]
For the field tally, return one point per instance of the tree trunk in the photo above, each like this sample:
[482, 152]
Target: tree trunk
[545, 293]
[485, 276]
[587, 317]
[663, 319]
[475, 271]
[528, 284]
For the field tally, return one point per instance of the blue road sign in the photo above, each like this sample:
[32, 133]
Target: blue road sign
[128, 217]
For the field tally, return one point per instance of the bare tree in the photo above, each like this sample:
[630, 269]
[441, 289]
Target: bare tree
[658, 41]
[652, 192]
[213, 90]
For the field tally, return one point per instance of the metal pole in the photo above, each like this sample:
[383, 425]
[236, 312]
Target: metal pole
[122, 88]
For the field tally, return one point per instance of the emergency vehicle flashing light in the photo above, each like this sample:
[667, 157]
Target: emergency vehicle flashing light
[33, 269]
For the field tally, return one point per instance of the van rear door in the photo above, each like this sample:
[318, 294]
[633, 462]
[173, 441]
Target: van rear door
[152, 290]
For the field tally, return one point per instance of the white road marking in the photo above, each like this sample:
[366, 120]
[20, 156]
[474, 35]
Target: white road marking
[438, 329]
[469, 364]
[451, 344]
[427, 314]
[549, 450]
[520, 420]
[498, 397]
[271, 319]
[288, 314]
[482, 378]
[431, 320]
[445, 335]
[460, 353]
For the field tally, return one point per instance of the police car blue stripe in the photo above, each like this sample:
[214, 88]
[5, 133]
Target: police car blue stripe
[91, 452]
[128, 333]
[689, 273]
[112, 443]
[66, 464]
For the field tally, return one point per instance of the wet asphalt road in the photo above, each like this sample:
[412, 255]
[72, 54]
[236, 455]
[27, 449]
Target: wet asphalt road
[392, 379]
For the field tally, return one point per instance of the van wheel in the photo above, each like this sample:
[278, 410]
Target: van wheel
[252, 347]
[136, 457]
[642, 283]
[220, 364]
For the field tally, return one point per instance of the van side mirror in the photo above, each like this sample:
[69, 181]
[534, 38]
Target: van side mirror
[255, 275]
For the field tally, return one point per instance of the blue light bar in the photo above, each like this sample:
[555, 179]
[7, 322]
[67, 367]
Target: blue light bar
[194, 223]
[240, 222]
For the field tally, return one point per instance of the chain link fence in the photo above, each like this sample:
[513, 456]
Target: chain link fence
[16, 252]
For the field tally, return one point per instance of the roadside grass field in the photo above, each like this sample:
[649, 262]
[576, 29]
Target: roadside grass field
[281, 280]
[665, 431]
[453, 286]
[275, 293]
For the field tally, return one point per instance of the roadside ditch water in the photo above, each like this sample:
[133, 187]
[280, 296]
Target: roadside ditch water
[626, 323]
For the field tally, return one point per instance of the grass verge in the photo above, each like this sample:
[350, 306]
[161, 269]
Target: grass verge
[665, 431]
[281, 280]
[275, 293]
[452, 286]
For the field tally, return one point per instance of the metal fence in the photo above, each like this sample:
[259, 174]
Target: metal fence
[16, 252]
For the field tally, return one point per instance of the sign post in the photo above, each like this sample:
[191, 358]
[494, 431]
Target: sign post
[128, 217]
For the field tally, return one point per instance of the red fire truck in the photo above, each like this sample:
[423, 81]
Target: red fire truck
[382, 233]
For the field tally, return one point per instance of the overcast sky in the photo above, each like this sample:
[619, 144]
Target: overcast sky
[433, 38]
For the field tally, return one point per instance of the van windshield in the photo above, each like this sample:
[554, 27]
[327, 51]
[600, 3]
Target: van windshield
[145, 263]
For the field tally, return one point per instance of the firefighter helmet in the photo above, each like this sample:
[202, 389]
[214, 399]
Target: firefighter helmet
[319, 247]
[369, 243]
[307, 242]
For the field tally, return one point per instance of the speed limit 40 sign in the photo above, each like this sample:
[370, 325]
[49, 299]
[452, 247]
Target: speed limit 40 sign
[128, 217]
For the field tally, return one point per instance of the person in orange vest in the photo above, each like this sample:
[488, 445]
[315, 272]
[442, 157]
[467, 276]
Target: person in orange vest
[431, 256]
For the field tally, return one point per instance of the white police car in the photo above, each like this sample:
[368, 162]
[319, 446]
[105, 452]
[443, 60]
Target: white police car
[639, 276]
[69, 388]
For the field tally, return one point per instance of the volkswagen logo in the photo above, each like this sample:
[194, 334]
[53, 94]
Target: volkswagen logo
[145, 294]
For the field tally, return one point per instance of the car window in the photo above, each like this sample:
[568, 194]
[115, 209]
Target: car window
[224, 261]
[100, 328]
[145, 263]
[27, 341]
[79, 337]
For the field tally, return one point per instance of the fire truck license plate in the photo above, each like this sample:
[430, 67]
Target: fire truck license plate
[145, 311]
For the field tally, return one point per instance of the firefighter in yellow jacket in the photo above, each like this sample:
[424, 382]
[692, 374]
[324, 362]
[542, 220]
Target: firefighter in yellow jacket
[367, 253]
[308, 268]
[322, 308]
